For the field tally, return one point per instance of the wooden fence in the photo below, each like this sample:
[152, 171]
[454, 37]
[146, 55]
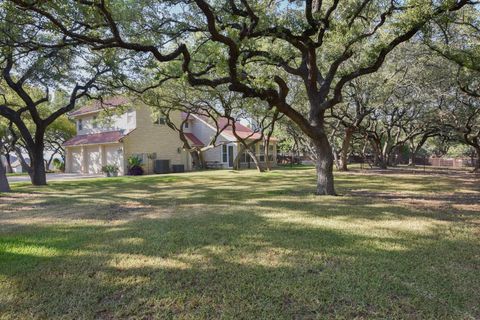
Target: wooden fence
[451, 162]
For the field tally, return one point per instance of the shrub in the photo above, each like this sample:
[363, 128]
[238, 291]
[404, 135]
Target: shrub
[110, 170]
[58, 164]
[134, 161]
[135, 166]
[135, 171]
[113, 168]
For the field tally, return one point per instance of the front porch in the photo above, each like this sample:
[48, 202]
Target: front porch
[230, 151]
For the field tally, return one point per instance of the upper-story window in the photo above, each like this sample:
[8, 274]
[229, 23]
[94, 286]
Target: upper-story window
[80, 124]
[186, 125]
[94, 122]
[160, 120]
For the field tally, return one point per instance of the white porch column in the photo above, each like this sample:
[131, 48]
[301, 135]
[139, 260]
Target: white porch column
[68, 160]
[124, 160]
[101, 152]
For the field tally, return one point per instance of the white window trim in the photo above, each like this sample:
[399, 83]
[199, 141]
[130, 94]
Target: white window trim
[224, 152]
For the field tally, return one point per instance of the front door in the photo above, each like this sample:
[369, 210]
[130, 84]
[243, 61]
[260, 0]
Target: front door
[230, 156]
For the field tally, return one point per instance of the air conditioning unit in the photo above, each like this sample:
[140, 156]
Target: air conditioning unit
[161, 166]
[178, 168]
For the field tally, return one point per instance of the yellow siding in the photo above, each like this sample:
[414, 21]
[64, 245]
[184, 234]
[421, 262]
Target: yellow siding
[150, 138]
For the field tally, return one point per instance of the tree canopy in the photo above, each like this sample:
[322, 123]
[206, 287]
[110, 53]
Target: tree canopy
[312, 61]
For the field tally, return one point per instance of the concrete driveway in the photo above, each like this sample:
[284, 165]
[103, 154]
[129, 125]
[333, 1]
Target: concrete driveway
[56, 177]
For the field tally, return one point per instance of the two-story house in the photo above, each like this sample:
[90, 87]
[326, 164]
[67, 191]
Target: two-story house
[107, 134]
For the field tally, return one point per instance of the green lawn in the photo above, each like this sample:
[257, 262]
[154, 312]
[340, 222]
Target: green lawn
[17, 174]
[242, 245]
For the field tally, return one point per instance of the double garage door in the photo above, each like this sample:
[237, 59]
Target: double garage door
[76, 160]
[93, 159]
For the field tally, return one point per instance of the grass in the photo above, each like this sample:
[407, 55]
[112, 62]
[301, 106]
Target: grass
[17, 174]
[242, 245]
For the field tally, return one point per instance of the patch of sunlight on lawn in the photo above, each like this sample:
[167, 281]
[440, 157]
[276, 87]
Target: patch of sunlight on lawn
[360, 226]
[29, 250]
[384, 244]
[139, 261]
[131, 241]
[267, 257]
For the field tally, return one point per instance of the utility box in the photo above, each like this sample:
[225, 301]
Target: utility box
[178, 168]
[161, 166]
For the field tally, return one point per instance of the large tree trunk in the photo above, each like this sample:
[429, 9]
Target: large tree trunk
[411, 158]
[477, 165]
[236, 161]
[379, 159]
[203, 163]
[268, 165]
[324, 166]
[345, 149]
[48, 162]
[255, 160]
[38, 175]
[336, 159]
[415, 149]
[197, 163]
[412, 154]
[9, 168]
[4, 186]
[382, 163]
[393, 156]
[385, 156]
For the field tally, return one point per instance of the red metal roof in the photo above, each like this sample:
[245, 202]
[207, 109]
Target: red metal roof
[96, 106]
[242, 131]
[195, 141]
[95, 138]
[243, 134]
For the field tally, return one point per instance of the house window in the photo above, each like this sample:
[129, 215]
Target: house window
[94, 122]
[245, 158]
[80, 124]
[224, 153]
[262, 153]
[160, 120]
[270, 152]
[186, 125]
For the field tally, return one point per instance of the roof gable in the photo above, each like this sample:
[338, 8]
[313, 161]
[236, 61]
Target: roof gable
[97, 105]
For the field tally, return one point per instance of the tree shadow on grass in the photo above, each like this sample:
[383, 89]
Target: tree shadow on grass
[113, 199]
[262, 247]
[239, 264]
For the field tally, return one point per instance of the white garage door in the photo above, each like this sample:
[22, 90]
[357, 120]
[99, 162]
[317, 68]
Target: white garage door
[94, 163]
[76, 160]
[114, 155]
